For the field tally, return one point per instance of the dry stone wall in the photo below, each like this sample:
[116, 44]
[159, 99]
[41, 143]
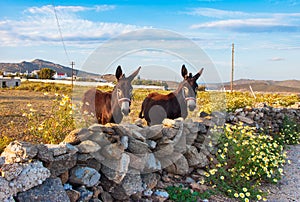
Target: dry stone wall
[122, 162]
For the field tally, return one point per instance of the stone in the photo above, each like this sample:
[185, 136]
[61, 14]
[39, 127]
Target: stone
[101, 128]
[154, 132]
[56, 149]
[106, 197]
[161, 193]
[169, 133]
[100, 138]
[150, 180]
[116, 170]
[180, 141]
[165, 149]
[33, 174]
[76, 136]
[195, 158]
[201, 128]
[50, 190]
[137, 135]
[124, 141]
[88, 146]
[131, 184]
[5, 190]
[179, 166]
[11, 171]
[168, 122]
[84, 176]
[97, 190]
[19, 151]
[73, 195]
[64, 177]
[152, 164]
[44, 154]
[113, 151]
[85, 195]
[137, 147]
[136, 161]
[245, 120]
[203, 114]
[151, 144]
[61, 164]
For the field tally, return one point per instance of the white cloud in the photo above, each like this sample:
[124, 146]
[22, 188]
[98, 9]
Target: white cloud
[39, 25]
[276, 59]
[239, 21]
[215, 13]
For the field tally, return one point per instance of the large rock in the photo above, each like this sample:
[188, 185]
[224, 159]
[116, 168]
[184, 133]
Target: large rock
[195, 158]
[84, 176]
[50, 191]
[18, 151]
[154, 132]
[113, 151]
[137, 147]
[150, 180]
[61, 164]
[131, 184]
[33, 174]
[152, 164]
[179, 165]
[245, 120]
[11, 171]
[76, 136]
[5, 190]
[116, 170]
[57, 149]
[88, 146]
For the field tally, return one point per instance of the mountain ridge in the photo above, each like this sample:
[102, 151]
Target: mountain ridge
[37, 64]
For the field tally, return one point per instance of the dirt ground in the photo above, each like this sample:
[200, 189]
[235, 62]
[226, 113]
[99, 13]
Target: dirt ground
[13, 103]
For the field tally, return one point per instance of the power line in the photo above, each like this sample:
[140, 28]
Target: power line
[60, 33]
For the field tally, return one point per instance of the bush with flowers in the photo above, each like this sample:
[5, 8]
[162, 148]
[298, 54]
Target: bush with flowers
[54, 128]
[246, 158]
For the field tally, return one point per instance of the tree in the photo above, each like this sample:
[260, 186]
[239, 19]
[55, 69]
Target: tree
[46, 73]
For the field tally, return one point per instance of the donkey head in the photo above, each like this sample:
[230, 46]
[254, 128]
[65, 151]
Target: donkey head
[189, 86]
[124, 89]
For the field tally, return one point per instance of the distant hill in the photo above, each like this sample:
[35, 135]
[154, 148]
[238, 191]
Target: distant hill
[287, 86]
[39, 64]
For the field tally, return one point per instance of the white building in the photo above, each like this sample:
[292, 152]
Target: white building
[8, 82]
[60, 75]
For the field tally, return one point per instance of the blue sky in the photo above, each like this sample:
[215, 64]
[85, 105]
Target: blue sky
[266, 34]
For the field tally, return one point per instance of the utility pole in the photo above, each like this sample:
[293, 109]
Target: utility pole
[72, 64]
[232, 68]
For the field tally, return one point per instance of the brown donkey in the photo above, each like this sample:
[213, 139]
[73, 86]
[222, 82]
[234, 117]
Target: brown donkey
[109, 107]
[157, 107]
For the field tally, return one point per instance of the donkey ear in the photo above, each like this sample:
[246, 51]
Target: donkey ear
[184, 71]
[198, 74]
[131, 77]
[119, 72]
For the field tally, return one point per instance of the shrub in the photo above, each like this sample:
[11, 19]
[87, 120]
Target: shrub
[179, 194]
[290, 132]
[245, 160]
[54, 128]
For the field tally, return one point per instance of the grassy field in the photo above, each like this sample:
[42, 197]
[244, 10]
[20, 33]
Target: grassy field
[39, 99]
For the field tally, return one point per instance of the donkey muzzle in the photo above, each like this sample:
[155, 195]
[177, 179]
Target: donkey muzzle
[125, 106]
[191, 103]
